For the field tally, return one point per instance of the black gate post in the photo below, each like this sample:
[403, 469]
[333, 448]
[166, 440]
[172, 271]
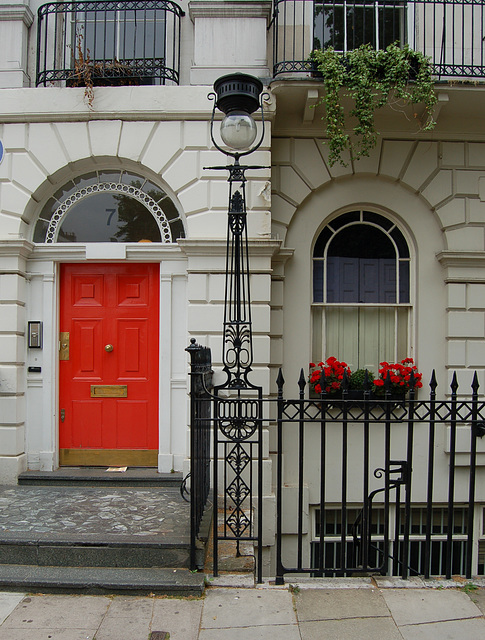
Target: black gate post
[200, 431]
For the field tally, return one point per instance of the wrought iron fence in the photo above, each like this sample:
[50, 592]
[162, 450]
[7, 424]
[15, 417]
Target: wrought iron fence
[232, 421]
[379, 485]
[200, 441]
[450, 32]
[109, 43]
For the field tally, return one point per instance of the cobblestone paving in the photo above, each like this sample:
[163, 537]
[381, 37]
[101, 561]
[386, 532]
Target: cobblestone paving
[144, 513]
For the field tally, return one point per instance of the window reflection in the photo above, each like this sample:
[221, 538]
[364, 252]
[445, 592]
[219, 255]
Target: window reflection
[109, 217]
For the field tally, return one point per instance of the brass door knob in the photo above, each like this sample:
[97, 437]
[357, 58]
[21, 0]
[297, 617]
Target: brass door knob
[108, 348]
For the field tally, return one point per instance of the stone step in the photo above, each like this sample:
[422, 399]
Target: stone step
[79, 551]
[92, 580]
[98, 476]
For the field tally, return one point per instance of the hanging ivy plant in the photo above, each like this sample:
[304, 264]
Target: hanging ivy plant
[395, 75]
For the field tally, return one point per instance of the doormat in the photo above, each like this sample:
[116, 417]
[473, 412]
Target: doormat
[159, 635]
[117, 469]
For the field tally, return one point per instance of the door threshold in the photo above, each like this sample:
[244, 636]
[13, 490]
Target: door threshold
[108, 458]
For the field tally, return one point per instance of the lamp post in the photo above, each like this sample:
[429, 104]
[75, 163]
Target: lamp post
[238, 412]
[238, 97]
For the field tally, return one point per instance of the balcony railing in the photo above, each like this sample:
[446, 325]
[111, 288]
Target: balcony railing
[110, 43]
[450, 32]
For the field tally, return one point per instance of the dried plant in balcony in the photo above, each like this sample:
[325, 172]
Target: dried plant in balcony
[90, 73]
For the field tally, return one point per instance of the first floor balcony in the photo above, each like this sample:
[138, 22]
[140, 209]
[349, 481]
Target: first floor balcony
[105, 43]
[450, 32]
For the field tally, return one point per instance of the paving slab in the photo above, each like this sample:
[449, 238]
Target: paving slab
[53, 612]
[47, 634]
[233, 608]
[113, 628]
[130, 606]
[181, 617]
[415, 606]
[478, 597]
[264, 632]
[471, 629]
[358, 628]
[331, 604]
[8, 602]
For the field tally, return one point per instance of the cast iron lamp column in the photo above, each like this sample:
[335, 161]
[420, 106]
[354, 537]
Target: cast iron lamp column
[238, 416]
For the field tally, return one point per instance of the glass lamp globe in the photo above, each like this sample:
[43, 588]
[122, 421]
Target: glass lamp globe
[238, 130]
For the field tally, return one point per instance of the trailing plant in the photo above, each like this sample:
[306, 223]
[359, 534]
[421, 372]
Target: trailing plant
[395, 75]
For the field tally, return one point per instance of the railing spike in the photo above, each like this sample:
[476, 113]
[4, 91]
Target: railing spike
[280, 381]
[345, 381]
[302, 380]
[433, 382]
[387, 382]
[475, 383]
[367, 385]
[454, 383]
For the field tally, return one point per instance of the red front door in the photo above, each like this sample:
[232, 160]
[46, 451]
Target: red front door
[109, 364]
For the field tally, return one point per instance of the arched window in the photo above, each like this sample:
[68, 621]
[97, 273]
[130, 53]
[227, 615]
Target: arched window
[361, 298]
[109, 206]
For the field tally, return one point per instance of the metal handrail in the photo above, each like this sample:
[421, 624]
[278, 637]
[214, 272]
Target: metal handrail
[105, 42]
[450, 32]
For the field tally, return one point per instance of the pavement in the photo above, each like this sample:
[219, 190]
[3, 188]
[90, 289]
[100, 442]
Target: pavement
[317, 609]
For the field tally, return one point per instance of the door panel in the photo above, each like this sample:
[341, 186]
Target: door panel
[111, 315]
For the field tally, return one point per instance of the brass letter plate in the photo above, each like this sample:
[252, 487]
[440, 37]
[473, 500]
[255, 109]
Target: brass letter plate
[109, 391]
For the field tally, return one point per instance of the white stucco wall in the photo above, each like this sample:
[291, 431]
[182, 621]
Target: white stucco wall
[50, 136]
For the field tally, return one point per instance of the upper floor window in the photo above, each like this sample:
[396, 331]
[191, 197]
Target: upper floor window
[361, 291]
[109, 206]
[347, 24]
[109, 43]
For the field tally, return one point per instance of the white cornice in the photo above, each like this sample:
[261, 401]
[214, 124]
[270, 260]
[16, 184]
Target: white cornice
[146, 252]
[231, 9]
[469, 259]
[16, 12]
[16, 247]
[215, 247]
[152, 103]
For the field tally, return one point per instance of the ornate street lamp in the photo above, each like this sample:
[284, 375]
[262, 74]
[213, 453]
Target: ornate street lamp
[238, 411]
[238, 96]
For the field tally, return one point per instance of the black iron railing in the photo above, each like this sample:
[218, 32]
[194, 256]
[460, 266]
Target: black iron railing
[390, 482]
[200, 440]
[109, 43]
[450, 32]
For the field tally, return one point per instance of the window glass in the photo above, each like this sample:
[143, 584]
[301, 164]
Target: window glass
[109, 217]
[347, 24]
[109, 206]
[361, 274]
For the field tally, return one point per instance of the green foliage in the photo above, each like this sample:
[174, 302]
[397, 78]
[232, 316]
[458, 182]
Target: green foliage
[469, 587]
[372, 79]
[357, 379]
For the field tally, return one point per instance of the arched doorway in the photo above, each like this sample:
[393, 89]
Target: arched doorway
[117, 226]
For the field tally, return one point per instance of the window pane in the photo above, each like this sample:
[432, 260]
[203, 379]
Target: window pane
[403, 316]
[361, 241]
[362, 336]
[404, 282]
[321, 243]
[342, 335]
[109, 217]
[318, 281]
[347, 24]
